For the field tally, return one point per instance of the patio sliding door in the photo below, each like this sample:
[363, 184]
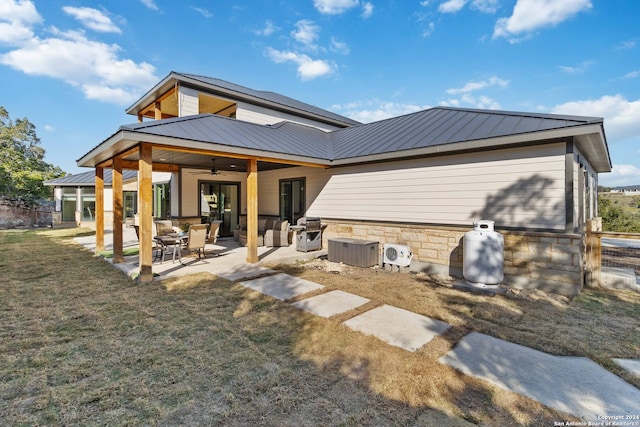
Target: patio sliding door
[220, 201]
[292, 199]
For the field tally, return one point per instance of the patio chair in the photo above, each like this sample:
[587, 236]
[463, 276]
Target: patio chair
[157, 247]
[197, 239]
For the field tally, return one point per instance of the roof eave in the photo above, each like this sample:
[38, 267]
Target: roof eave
[124, 139]
[176, 78]
[598, 149]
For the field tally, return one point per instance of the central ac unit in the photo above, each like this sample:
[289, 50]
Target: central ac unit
[397, 255]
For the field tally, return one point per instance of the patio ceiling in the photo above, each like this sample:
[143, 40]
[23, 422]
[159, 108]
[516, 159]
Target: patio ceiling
[162, 156]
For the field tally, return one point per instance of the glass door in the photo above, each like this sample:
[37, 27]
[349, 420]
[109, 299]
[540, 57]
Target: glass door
[220, 201]
[292, 199]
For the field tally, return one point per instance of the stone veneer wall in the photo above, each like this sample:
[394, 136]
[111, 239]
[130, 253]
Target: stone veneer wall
[553, 262]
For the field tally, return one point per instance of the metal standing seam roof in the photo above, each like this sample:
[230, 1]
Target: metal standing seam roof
[282, 137]
[270, 97]
[89, 178]
[428, 128]
[441, 126]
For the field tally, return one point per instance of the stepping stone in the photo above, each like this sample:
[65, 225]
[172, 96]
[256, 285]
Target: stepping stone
[245, 271]
[281, 286]
[331, 303]
[398, 327]
[630, 365]
[574, 385]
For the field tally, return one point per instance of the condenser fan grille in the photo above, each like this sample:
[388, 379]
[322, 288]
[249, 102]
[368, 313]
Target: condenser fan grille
[392, 254]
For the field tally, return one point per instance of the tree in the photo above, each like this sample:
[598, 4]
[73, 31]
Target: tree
[22, 166]
[614, 218]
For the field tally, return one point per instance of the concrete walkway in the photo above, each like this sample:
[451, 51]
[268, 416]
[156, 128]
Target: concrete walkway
[576, 386]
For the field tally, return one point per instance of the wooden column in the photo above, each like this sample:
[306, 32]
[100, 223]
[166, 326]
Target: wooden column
[139, 118]
[594, 252]
[116, 186]
[252, 210]
[99, 210]
[157, 111]
[145, 193]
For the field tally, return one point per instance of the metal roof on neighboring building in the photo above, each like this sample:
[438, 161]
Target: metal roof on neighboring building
[88, 178]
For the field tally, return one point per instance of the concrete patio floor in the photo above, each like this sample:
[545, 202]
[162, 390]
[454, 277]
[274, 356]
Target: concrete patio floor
[226, 258]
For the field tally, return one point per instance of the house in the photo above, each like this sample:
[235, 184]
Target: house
[75, 197]
[420, 179]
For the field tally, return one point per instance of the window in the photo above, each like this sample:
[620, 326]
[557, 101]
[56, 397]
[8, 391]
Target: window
[292, 199]
[162, 200]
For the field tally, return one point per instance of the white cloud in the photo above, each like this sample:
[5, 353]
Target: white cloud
[453, 6]
[621, 116]
[202, 11]
[334, 7]
[577, 69]
[150, 4]
[49, 128]
[632, 74]
[625, 45]
[306, 33]
[338, 46]
[16, 21]
[467, 97]
[373, 110]
[268, 29]
[308, 68]
[92, 66]
[531, 15]
[367, 10]
[474, 86]
[620, 176]
[92, 19]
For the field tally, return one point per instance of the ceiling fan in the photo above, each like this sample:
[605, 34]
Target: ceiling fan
[212, 171]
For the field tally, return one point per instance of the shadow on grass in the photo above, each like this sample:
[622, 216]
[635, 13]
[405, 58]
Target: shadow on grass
[84, 344]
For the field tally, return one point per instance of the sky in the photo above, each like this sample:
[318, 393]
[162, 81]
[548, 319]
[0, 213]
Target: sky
[72, 67]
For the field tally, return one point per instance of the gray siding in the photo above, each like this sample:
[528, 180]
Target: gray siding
[522, 187]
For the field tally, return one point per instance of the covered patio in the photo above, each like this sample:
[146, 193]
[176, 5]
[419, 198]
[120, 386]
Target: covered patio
[226, 256]
[170, 146]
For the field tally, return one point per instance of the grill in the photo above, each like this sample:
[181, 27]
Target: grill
[309, 234]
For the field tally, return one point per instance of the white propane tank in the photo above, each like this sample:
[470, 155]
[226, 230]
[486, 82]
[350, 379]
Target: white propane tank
[483, 255]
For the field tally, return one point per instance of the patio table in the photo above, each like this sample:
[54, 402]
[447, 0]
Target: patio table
[176, 240]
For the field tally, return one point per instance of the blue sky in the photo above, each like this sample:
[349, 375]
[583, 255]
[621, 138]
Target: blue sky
[73, 66]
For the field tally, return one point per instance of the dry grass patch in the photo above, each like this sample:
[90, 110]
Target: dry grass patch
[83, 344]
[599, 323]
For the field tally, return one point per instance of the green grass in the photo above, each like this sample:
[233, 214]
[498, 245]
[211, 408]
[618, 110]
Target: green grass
[125, 252]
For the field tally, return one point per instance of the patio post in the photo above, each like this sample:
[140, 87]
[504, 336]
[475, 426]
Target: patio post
[116, 184]
[252, 210]
[145, 191]
[99, 209]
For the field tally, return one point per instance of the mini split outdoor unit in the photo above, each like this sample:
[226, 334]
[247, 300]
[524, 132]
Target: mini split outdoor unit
[397, 255]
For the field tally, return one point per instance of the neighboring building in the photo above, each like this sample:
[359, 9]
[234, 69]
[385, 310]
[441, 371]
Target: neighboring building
[75, 197]
[420, 179]
[631, 190]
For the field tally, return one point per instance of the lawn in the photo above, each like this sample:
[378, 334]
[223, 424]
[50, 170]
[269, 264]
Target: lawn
[80, 343]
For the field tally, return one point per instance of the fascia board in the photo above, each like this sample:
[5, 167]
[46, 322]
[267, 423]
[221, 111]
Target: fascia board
[124, 140]
[503, 141]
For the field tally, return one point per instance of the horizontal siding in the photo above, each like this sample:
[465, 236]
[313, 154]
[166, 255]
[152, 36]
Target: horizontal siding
[523, 187]
[188, 102]
[263, 116]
